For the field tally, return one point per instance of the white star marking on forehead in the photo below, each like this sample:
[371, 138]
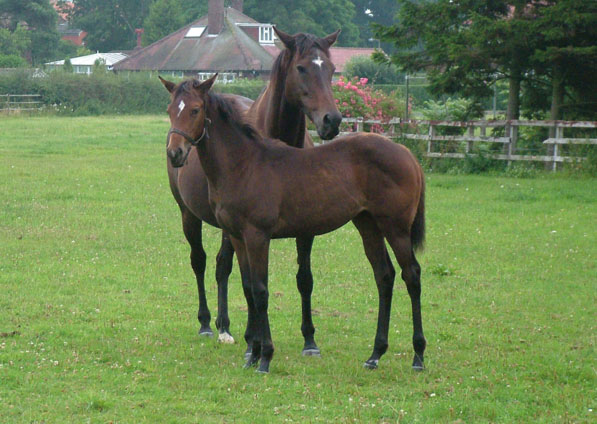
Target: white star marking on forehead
[181, 106]
[318, 61]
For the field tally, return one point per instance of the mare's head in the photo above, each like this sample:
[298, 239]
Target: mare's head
[308, 70]
[188, 123]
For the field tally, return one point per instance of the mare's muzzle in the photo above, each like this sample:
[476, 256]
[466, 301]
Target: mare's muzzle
[330, 126]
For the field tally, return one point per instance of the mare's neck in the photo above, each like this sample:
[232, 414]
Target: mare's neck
[285, 121]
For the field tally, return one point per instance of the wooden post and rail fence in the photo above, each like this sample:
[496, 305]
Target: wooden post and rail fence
[476, 132]
[17, 103]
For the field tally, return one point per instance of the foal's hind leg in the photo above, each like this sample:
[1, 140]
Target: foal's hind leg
[223, 270]
[191, 226]
[411, 274]
[383, 270]
[304, 282]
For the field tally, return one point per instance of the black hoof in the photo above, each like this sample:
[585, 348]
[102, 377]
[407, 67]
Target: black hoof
[418, 363]
[312, 351]
[371, 364]
[251, 362]
[206, 332]
[263, 367]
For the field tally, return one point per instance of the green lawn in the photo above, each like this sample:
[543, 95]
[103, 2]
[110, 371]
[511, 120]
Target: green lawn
[98, 302]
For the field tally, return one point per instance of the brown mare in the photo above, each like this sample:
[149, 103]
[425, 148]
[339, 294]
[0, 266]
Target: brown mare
[261, 189]
[300, 84]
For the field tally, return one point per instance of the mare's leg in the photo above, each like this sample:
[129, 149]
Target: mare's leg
[257, 245]
[223, 270]
[304, 282]
[384, 273]
[411, 274]
[191, 226]
[243, 263]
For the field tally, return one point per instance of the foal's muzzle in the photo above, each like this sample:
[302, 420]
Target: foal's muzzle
[179, 156]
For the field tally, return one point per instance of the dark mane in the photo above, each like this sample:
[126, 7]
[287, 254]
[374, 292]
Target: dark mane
[230, 115]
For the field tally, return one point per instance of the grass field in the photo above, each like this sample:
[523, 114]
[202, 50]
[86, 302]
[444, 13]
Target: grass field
[98, 302]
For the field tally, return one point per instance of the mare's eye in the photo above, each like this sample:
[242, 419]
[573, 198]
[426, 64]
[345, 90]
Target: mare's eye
[195, 112]
[301, 69]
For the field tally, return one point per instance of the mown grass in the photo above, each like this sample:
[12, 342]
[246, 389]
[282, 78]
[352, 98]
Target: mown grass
[98, 301]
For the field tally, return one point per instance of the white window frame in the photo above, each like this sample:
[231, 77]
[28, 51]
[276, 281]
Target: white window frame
[223, 77]
[266, 34]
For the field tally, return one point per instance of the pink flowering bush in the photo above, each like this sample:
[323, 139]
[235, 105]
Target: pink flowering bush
[356, 99]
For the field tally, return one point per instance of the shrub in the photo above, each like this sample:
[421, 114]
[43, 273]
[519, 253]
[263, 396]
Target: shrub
[357, 99]
[12, 61]
[366, 67]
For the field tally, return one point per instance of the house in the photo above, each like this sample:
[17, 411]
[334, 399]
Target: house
[85, 64]
[225, 41]
[74, 35]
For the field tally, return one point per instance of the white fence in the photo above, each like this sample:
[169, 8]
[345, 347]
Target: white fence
[476, 132]
[16, 103]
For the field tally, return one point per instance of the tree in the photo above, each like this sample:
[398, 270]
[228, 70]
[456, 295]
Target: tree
[167, 16]
[110, 24]
[367, 12]
[566, 58]
[465, 46]
[16, 43]
[318, 17]
[39, 18]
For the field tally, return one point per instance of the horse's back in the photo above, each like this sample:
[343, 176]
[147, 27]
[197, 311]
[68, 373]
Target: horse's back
[386, 173]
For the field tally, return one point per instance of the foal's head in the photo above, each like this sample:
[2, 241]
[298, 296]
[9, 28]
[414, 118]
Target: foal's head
[187, 117]
[308, 70]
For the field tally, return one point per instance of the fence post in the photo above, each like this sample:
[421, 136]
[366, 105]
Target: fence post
[559, 135]
[431, 135]
[469, 144]
[359, 124]
[513, 140]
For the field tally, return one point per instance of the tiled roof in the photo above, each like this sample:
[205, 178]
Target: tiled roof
[231, 50]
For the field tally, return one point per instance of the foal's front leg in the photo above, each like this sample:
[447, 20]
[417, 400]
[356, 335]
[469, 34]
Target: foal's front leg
[257, 247]
[223, 270]
[191, 226]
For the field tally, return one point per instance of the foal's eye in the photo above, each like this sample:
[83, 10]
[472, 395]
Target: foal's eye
[195, 112]
[301, 69]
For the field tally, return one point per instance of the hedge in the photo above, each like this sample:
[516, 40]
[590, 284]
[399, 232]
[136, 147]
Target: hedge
[105, 92]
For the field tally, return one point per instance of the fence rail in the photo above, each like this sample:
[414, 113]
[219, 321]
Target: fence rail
[476, 132]
[16, 103]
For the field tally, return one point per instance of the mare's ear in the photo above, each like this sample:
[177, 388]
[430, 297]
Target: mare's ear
[286, 39]
[204, 87]
[168, 84]
[331, 39]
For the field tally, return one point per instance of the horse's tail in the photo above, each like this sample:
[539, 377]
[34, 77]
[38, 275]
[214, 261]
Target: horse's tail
[417, 230]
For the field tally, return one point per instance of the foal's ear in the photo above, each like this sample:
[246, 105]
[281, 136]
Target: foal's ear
[206, 85]
[286, 39]
[169, 85]
[331, 39]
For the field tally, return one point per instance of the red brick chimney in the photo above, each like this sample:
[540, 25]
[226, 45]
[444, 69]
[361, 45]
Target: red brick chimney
[237, 4]
[215, 17]
[139, 32]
